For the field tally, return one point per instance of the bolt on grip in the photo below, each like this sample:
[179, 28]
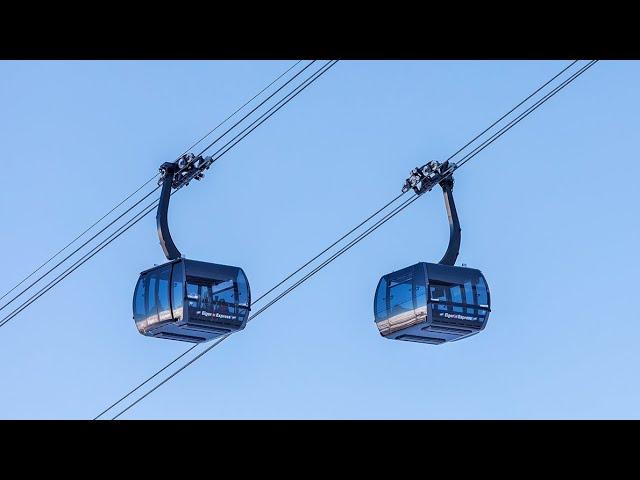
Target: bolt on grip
[423, 179]
[188, 167]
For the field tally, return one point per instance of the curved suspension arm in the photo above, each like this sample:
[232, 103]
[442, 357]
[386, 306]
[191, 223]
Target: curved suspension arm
[453, 249]
[166, 242]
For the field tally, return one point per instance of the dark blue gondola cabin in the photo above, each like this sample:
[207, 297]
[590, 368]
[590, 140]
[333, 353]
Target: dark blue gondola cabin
[188, 300]
[191, 301]
[431, 303]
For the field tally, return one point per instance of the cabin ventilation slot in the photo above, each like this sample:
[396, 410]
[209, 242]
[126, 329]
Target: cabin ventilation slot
[443, 329]
[177, 336]
[204, 327]
[416, 338]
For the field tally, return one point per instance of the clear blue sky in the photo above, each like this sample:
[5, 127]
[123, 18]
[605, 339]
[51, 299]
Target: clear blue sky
[549, 213]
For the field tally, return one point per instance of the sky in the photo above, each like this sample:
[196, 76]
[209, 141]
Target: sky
[549, 213]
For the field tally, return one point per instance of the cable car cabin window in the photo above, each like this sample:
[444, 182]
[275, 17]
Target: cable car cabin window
[139, 309]
[164, 304]
[483, 296]
[210, 299]
[192, 294]
[459, 292]
[437, 293]
[381, 300]
[224, 292]
[421, 294]
[243, 290]
[177, 290]
[401, 293]
[401, 297]
[456, 297]
[152, 309]
[468, 296]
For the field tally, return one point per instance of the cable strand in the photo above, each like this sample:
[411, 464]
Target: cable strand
[513, 109]
[240, 108]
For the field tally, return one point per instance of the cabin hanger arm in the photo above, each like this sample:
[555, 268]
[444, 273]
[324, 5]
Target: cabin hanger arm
[176, 175]
[422, 180]
[455, 232]
[166, 242]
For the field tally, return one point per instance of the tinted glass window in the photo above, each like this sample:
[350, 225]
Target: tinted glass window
[456, 296]
[164, 305]
[177, 290]
[381, 299]
[456, 293]
[420, 286]
[224, 292]
[224, 296]
[401, 297]
[152, 292]
[438, 292]
[210, 299]
[243, 290]
[192, 294]
[139, 310]
[397, 297]
[445, 294]
[421, 293]
[468, 293]
[481, 287]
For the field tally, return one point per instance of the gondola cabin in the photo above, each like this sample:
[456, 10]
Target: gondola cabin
[431, 303]
[188, 300]
[191, 301]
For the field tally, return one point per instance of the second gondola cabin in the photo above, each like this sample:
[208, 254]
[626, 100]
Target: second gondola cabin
[433, 302]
